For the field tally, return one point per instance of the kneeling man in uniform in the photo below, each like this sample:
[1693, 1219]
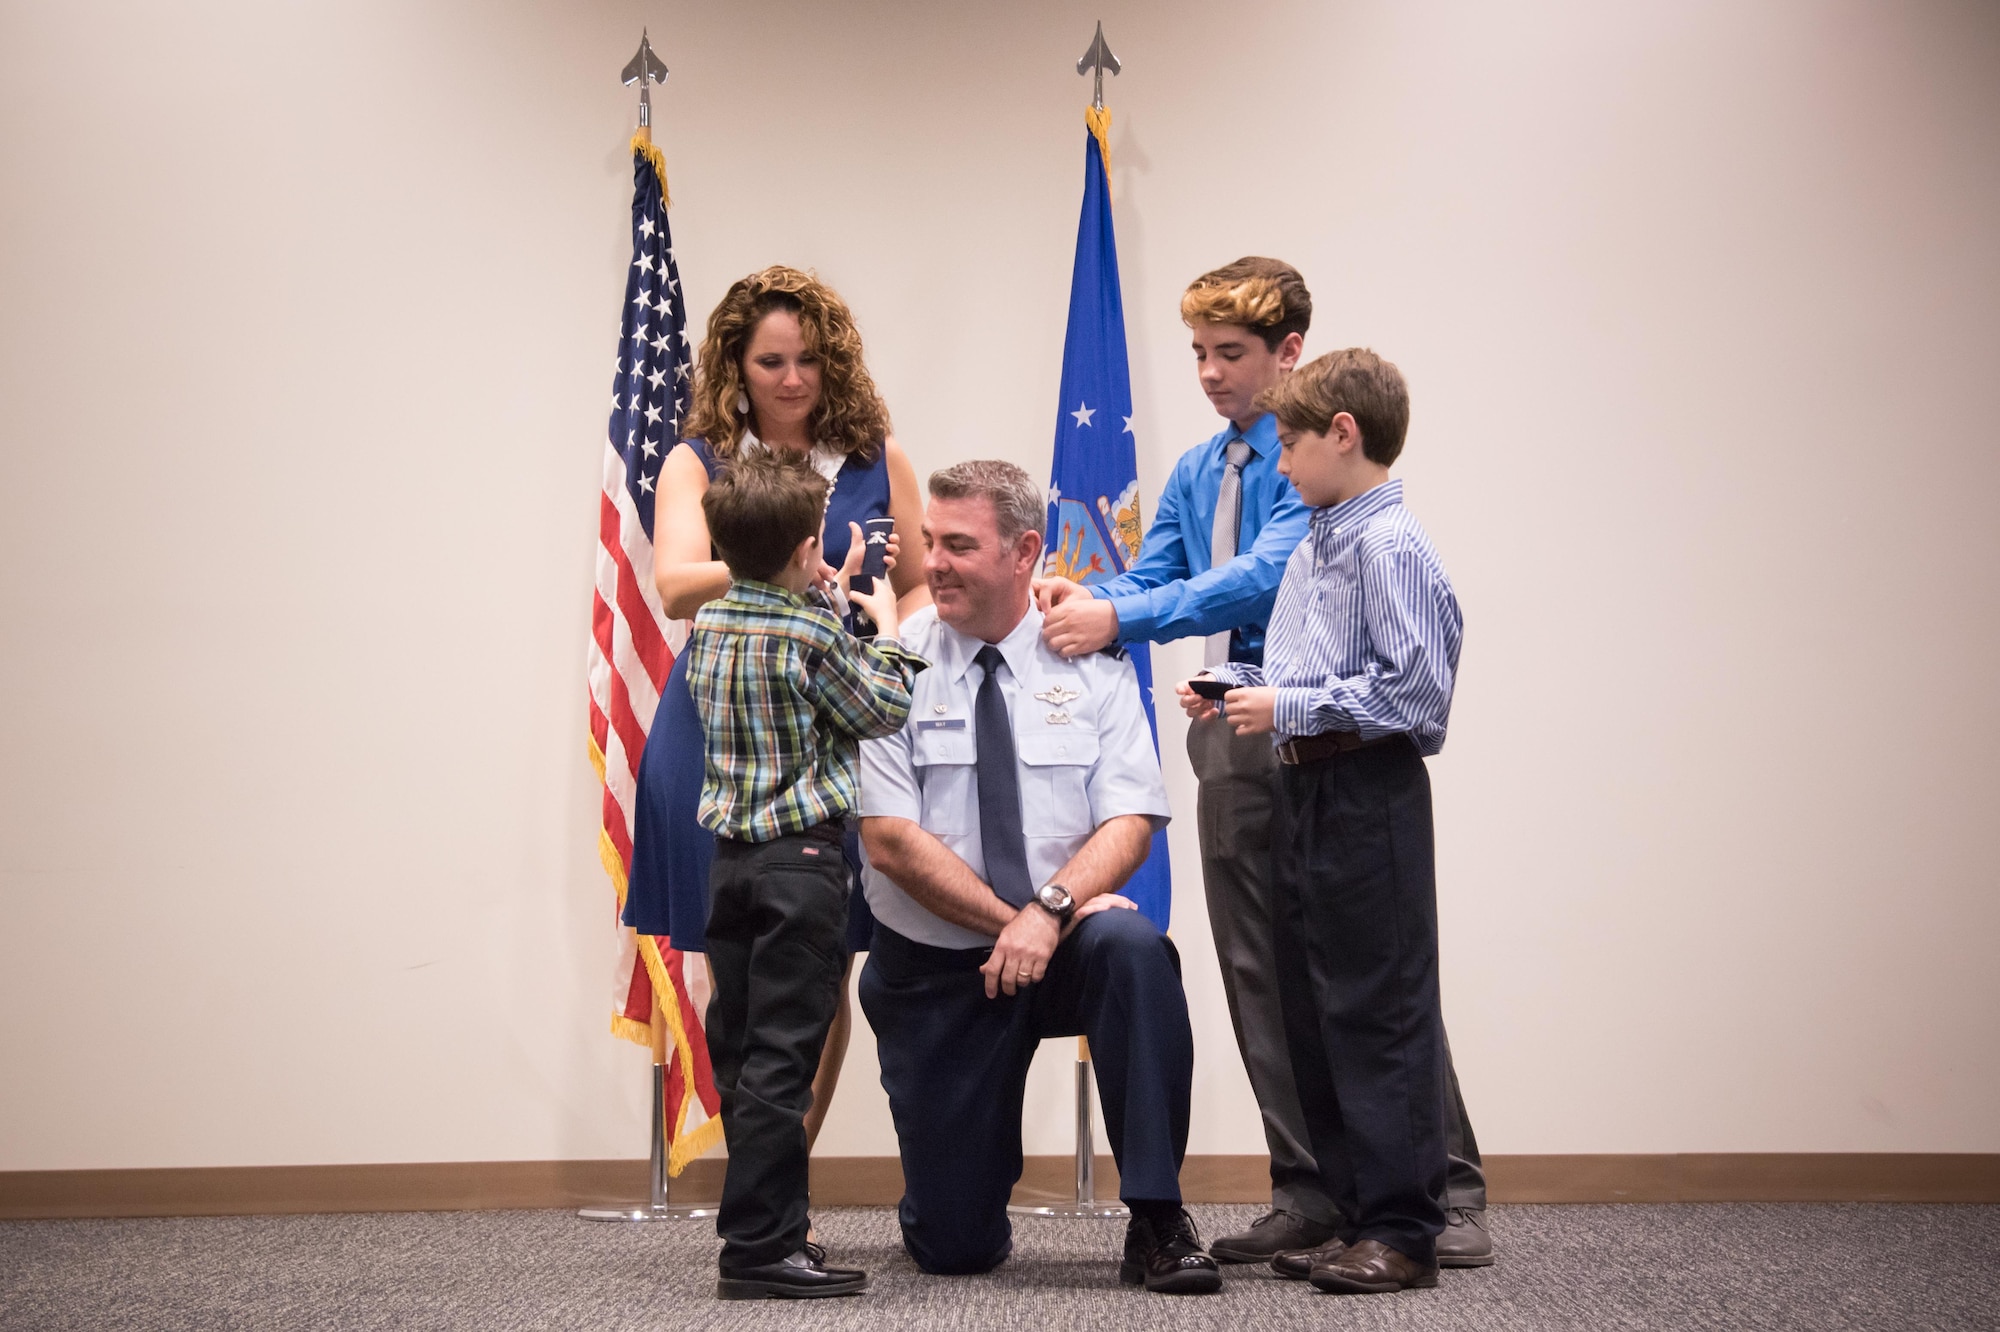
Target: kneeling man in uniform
[998, 824]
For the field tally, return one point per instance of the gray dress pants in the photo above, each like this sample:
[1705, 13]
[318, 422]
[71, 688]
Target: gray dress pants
[1233, 817]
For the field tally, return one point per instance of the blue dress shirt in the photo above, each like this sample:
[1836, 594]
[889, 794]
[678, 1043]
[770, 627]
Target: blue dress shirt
[1366, 631]
[1171, 592]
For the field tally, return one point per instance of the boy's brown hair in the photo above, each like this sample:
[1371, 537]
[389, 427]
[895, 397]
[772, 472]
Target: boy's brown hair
[1266, 296]
[759, 510]
[1355, 381]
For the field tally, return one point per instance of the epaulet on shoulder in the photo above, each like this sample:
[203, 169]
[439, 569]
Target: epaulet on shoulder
[1116, 652]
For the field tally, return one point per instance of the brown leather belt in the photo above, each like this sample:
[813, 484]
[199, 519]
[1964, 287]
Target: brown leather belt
[1313, 748]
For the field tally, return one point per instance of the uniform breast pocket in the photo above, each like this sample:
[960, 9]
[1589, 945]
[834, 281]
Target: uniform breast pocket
[943, 760]
[1055, 782]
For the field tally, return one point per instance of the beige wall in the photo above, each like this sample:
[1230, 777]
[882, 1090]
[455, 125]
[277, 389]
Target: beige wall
[306, 319]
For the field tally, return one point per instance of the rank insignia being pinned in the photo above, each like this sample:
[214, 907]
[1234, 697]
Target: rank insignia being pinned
[1059, 695]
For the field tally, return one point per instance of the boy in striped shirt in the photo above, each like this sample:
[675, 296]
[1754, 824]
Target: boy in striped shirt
[1356, 685]
[786, 697]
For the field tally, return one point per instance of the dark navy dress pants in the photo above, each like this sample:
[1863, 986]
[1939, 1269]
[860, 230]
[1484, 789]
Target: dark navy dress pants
[1354, 929]
[955, 1065]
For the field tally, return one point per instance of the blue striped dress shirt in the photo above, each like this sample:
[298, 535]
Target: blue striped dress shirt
[1365, 633]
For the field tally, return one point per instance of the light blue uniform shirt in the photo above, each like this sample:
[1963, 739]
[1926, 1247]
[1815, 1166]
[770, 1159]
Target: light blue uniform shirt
[1081, 746]
[1171, 592]
[1366, 631]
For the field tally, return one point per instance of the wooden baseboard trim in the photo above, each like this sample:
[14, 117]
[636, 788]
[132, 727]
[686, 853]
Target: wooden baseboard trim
[1911, 1177]
[850, 1181]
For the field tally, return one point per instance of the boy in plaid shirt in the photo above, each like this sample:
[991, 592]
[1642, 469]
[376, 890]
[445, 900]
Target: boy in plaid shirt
[786, 696]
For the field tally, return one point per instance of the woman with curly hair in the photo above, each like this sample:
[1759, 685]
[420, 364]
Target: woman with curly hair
[780, 372]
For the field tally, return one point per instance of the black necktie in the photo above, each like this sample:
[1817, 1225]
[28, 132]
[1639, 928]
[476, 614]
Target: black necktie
[1000, 836]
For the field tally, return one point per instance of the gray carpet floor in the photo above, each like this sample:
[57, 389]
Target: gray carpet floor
[1627, 1266]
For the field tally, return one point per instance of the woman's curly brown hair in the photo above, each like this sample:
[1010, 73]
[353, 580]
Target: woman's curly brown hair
[849, 417]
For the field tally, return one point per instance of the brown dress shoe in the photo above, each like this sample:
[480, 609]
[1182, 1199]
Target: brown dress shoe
[1297, 1264]
[1465, 1241]
[1270, 1235]
[1370, 1267]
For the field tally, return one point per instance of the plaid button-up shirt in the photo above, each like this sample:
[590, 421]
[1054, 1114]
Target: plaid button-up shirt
[786, 697]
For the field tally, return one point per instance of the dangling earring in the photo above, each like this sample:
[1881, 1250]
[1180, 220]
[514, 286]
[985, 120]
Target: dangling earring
[742, 403]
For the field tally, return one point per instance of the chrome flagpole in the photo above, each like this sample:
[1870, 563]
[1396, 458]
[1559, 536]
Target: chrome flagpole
[1086, 1201]
[644, 69]
[660, 1207]
[1096, 59]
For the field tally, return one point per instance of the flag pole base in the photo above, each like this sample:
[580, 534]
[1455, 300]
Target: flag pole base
[660, 1207]
[647, 1212]
[1086, 1203]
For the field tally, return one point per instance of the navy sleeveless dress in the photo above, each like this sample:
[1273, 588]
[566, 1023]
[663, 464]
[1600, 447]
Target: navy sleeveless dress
[671, 852]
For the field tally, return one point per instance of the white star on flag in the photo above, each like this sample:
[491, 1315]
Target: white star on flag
[1128, 425]
[633, 646]
[1083, 413]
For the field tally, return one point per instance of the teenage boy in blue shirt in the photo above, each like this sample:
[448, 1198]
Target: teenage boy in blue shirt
[1355, 688]
[1210, 565]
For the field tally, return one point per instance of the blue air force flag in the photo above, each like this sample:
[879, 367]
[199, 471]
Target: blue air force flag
[1094, 527]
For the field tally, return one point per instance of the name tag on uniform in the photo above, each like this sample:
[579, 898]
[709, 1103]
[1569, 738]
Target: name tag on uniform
[941, 724]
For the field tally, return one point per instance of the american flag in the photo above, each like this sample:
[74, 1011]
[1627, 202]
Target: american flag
[633, 644]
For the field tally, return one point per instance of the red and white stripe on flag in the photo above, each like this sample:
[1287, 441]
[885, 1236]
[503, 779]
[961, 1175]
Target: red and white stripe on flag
[632, 649]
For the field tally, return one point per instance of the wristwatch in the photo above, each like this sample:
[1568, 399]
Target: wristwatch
[1056, 900]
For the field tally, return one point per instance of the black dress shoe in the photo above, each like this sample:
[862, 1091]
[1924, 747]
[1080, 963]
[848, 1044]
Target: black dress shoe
[1269, 1235]
[1166, 1255]
[1466, 1242]
[1297, 1264]
[803, 1276]
[1370, 1267]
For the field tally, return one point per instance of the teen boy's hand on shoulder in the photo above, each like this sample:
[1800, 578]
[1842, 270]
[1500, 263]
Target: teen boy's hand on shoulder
[1076, 622]
[1053, 592]
[1081, 625]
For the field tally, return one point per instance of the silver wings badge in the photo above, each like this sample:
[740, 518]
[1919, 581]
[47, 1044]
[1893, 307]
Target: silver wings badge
[1059, 696]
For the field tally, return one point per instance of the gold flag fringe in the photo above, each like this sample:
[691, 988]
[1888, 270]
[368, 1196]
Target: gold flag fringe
[642, 142]
[682, 1146]
[1099, 120]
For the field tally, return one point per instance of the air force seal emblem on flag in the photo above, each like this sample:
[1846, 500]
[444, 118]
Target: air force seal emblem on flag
[1094, 524]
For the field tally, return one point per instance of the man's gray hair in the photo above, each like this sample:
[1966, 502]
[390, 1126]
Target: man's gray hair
[1019, 504]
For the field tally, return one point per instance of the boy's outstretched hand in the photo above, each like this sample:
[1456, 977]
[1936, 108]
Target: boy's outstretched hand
[1249, 710]
[1193, 704]
[878, 604]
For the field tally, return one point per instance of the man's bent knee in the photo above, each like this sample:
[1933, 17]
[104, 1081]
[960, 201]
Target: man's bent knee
[956, 1251]
[1120, 938]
